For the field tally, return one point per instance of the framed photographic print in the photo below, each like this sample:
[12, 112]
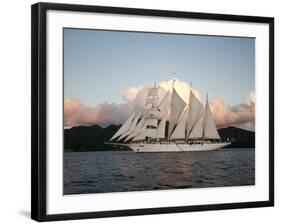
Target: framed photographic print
[139, 111]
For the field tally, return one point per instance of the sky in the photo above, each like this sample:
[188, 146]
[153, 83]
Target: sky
[108, 68]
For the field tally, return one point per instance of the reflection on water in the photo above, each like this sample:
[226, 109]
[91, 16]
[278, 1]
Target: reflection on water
[119, 171]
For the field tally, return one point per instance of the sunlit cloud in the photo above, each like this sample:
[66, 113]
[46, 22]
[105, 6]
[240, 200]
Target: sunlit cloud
[138, 93]
[242, 115]
[75, 113]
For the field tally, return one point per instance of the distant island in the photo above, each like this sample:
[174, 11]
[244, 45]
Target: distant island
[92, 138]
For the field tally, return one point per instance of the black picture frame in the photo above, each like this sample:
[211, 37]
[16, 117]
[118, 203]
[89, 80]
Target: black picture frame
[38, 108]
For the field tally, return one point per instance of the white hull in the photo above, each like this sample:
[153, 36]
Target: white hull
[172, 147]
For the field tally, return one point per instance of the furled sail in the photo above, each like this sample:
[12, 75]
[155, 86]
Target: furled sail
[177, 106]
[195, 107]
[179, 132]
[210, 130]
[124, 127]
[160, 133]
[198, 128]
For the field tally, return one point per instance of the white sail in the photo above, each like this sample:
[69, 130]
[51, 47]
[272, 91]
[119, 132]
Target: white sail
[160, 133]
[147, 130]
[210, 130]
[137, 130]
[158, 109]
[153, 101]
[153, 122]
[134, 123]
[151, 112]
[179, 132]
[140, 137]
[124, 127]
[132, 127]
[128, 137]
[198, 128]
[163, 105]
[195, 107]
[150, 132]
[177, 106]
[122, 136]
[153, 92]
[140, 130]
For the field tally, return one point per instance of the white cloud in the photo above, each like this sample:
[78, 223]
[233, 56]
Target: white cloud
[242, 115]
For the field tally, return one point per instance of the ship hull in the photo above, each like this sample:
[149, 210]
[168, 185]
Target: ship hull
[172, 147]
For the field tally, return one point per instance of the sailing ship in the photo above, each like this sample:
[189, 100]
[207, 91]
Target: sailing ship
[170, 125]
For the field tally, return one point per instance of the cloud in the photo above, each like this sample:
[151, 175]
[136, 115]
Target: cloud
[242, 115]
[138, 93]
[75, 113]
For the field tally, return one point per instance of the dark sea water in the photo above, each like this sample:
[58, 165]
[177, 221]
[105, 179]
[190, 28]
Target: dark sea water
[119, 171]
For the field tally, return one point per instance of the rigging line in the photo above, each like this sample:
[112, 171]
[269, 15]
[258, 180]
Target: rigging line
[202, 111]
[204, 122]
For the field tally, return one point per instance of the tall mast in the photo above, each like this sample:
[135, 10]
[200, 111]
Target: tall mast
[170, 105]
[190, 87]
[204, 122]
[195, 107]
[174, 79]
[154, 97]
[151, 121]
[210, 129]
